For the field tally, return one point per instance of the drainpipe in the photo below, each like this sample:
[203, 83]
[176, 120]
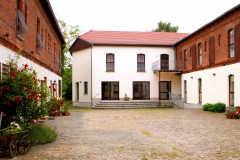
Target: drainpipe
[91, 79]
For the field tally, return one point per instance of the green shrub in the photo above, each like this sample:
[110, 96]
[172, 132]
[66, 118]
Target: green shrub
[207, 106]
[216, 107]
[42, 134]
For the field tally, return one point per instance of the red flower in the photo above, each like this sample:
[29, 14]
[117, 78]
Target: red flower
[36, 101]
[49, 87]
[1, 95]
[12, 74]
[29, 98]
[25, 66]
[40, 97]
[17, 99]
[21, 87]
[32, 121]
[8, 103]
[54, 90]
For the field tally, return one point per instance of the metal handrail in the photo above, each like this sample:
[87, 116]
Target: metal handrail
[166, 65]
[1, 114]
[177, 100]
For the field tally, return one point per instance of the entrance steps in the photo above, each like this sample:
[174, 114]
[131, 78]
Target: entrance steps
[118, 104]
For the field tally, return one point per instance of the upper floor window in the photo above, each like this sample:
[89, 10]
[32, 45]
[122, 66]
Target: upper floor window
[200, 54]
[231, 43]
[211, 50]
[219, 40]
[140, 62]
[39, 44]
[21, 26]
[185, 59]
[194, 56]
[110, 62]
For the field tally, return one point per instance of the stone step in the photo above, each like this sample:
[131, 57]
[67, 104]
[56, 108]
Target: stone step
[132, 104]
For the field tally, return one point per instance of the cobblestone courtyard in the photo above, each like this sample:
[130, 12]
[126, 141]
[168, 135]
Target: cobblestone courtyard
[141, 134]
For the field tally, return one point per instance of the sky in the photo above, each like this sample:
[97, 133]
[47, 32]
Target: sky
[139, 15]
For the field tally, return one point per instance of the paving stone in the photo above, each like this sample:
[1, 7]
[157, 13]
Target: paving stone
[138, 134]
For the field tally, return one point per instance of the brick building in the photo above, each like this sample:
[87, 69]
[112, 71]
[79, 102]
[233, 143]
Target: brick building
[29, 27]
[210, 57]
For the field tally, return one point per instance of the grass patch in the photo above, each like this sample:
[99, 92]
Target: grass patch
[68, 105]
[41, 134]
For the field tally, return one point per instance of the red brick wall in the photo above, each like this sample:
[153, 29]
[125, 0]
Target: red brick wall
[8, 19]
[219, 27]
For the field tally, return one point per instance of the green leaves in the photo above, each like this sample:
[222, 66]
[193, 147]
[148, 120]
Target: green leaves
[165, 27]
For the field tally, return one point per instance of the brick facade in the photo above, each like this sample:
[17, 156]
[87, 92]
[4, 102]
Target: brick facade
[39, 18]
[214, 39]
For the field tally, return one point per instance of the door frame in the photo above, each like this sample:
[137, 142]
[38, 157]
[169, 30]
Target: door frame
[109, 91]
[170, 89]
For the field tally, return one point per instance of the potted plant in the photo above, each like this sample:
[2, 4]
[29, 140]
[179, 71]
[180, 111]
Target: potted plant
[126, 98]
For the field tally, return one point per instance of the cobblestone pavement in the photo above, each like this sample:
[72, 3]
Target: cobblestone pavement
[141, 134]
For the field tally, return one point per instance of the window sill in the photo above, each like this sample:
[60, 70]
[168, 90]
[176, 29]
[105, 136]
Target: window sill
[141, 71]
[110, 71]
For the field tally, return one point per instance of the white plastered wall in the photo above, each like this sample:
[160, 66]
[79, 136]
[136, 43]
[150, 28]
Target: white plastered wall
[81, 69]
[215, 88]
[42, 72]
[126, 69]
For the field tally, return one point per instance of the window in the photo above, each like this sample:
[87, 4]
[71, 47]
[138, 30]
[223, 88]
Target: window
[26, 11]
[211, 50]
[140, 62]
[185, 91]
[199, 90]
[59, 88]
[46, 37]
[39, 44]
[219, 40]
[194, 57]
[237, 40]
[21, 26]
[199, 54]
[205, 48]
[231, 43]
[141, 90]
[0, 71]
[110, 62]
[5, 69]
[55, 54]
[49, 43]
[85, 87]
[185, 59]
[231, 90]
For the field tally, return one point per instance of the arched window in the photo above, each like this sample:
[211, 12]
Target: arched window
[231, 43]
[231, 90]
[140, 62]
[200, 54]
[110, 62]
[185, 59]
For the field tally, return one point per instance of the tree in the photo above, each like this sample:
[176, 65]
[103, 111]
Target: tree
[165, 27]
[70, 33]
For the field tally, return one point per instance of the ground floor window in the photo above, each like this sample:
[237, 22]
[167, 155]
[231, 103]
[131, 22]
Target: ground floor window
[141, 90]
[231, 90]
[5, 69]
[200, 90]
[165, 90]
[185, 91]
[110, 90]
[77, 91]
[59, 88]
[85, 87]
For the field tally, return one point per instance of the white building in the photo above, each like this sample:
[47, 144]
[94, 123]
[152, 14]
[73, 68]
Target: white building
[109, 65]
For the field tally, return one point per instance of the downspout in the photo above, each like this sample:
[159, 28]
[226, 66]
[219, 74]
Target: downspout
[91, 79]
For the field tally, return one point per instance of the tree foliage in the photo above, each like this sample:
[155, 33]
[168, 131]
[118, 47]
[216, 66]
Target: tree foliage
[70, 33]
[165, 27]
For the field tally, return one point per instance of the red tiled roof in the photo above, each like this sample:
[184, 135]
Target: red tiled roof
[132, 38]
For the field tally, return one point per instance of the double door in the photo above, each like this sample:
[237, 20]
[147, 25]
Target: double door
[110, 90]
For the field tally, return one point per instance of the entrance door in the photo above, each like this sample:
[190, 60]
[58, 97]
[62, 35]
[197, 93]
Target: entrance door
[110, 90]
[141, 90]
[164, 61]
[165, 90]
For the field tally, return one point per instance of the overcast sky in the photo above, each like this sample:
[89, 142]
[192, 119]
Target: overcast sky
[139, 15]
